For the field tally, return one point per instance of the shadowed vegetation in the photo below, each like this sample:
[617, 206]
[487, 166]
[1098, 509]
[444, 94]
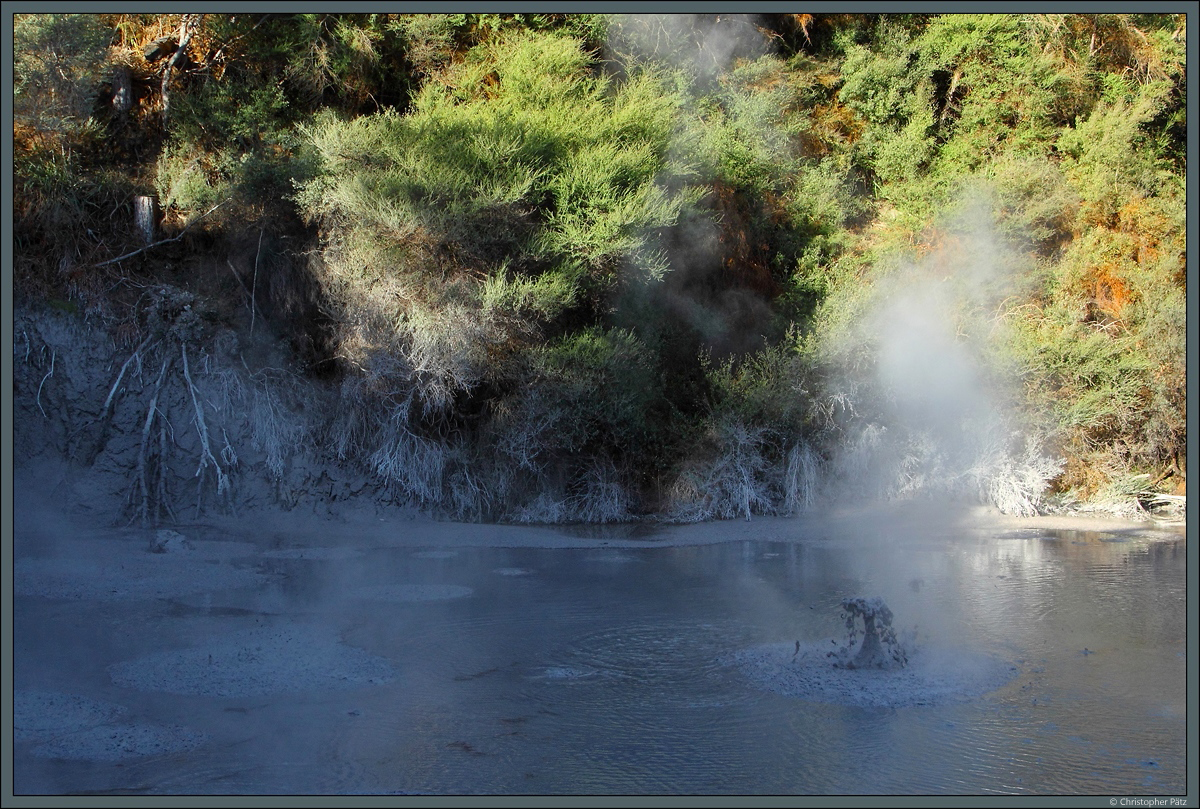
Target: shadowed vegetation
[548, 267]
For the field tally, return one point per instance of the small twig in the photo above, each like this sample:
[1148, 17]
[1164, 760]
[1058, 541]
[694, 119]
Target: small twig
[232, 269]
[199, 491]
[50, 373]
[162, 241]
[221, 51]
[254, 283]
[113, 391]
[251, 305]
[163, 504]
[228, 454]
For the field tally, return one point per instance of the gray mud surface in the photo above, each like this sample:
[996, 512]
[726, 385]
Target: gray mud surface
[410, 592]
[71, 726]
[932, 677]
[256, 662]
[41, 715]
[120, 742]
[126, 570]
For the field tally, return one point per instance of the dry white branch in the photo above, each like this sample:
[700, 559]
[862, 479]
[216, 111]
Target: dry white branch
[206, 456]
[112, 392]
[187, 27]
[50, 373]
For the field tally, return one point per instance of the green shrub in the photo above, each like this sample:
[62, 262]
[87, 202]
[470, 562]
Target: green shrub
[57, 64]
[188, 181]
[527, 183]
[230, 113]
[604, 382]
[464, 164]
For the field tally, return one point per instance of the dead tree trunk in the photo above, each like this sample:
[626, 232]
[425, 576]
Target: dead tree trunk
[122, 84]
[187, 27]
[145, 215]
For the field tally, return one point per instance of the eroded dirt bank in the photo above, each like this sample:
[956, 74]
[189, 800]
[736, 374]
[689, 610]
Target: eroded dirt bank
[223, 455]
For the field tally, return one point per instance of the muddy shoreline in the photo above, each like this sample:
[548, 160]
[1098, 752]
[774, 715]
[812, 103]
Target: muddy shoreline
[57, 500]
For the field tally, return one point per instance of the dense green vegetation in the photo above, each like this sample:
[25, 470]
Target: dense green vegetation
[558, 267]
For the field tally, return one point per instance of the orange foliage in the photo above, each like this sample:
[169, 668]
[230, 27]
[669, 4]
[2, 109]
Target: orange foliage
[803, 22]
[833, 125]
[1110, 293]
[1138, 234]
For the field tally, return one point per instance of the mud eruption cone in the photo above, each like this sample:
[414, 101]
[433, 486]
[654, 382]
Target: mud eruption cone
[879, 649]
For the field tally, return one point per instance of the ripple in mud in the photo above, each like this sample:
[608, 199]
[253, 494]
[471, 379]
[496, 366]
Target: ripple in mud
[435, 554]
[932, 677]
[411, 592]
[315, 554]
[256, 662]
[567, 673]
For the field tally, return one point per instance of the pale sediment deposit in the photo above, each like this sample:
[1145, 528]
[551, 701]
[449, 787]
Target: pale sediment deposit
[314, 554]
[71, 726]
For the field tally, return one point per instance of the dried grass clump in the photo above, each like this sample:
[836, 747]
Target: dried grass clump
[1015, 485]
[732, 481]
[801, 478]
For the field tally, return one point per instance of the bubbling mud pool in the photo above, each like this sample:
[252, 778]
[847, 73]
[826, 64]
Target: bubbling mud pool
[652, 667]
[871, 667]
[932, 677]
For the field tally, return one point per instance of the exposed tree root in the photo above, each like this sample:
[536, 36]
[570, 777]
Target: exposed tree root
[112, 392]
[143, 505]
[50, 373]
[206, 454]
[163, 503]
[105, 419]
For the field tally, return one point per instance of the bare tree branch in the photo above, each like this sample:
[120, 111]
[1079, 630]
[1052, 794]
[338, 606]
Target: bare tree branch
[187, 27]
[162, 241]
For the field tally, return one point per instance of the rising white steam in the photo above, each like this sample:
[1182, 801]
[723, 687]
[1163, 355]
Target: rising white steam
[940, 421]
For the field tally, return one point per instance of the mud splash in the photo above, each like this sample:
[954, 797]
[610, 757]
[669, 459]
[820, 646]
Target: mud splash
[870, 667]
[880, 649]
